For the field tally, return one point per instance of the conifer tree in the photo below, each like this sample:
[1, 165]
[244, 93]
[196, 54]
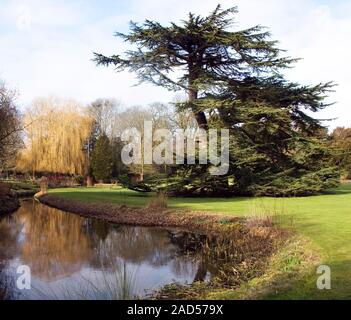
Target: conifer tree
[234, 80]
[102, 159]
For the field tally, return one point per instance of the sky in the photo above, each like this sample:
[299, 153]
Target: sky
[46, 46]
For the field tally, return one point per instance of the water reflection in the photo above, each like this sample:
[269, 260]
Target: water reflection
[55, 245]
[9, 245]
[66, 252]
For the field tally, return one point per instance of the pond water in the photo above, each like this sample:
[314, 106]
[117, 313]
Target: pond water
[71, 257]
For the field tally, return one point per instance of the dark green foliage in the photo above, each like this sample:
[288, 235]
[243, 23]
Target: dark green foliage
[234, 80]
[144, 186]
[102, 159]
[118, 167]
[276, 148]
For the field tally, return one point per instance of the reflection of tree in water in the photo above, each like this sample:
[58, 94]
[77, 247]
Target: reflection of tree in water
[134, 245]
[98, 232]
[192, 242]
[137, 245]
[9, 233]
[55, 244]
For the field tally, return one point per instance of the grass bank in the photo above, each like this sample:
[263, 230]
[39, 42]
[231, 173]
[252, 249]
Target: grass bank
[324, 220]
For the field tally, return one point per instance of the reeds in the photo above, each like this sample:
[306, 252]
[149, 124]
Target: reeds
[159, 201]
[106, 285]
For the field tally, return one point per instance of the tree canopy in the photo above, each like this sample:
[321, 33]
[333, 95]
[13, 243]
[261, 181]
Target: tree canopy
[202, 49]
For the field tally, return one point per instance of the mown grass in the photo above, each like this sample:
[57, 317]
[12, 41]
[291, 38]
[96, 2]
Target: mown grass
[324, 219]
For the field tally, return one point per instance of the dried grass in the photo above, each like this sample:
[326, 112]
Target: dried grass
[160, 201]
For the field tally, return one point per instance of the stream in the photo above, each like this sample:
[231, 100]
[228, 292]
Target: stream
[72, 257]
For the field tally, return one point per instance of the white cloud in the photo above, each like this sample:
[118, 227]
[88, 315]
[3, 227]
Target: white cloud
[52, 53]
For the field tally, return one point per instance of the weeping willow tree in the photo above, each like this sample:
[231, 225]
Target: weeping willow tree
[56, 134]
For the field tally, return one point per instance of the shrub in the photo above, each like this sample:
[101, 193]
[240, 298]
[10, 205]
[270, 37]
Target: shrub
[79, 180]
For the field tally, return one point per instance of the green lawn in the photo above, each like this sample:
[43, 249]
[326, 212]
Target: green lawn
[325, 219]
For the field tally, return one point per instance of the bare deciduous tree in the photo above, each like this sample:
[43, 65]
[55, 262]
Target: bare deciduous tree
[10, 127]
[105, 113]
